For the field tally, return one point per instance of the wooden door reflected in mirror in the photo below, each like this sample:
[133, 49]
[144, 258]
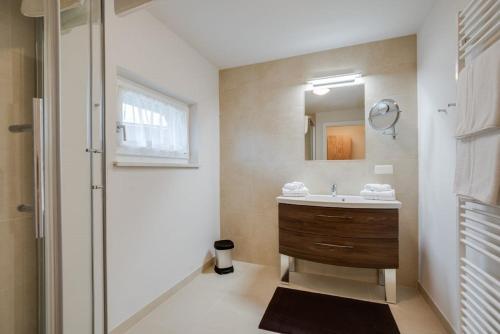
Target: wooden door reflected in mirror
[339, 148]
[334, 124]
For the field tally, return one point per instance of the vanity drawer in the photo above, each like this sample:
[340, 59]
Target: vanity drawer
[348, 252]
[340, 222]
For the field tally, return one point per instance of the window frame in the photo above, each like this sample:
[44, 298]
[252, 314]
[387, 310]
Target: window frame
[142, 155]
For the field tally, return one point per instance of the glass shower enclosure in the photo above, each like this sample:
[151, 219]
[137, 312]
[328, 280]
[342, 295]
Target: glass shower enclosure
[19, 244]
[51, 167]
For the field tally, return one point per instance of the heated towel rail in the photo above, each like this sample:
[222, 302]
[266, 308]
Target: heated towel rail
[479, 234]
[479, 223]
[478, 28]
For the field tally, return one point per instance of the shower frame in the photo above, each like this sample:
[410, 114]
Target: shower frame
[50, 270]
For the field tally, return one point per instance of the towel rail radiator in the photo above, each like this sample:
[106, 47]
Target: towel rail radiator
[479, 267]
[478, 28]
[479, 223]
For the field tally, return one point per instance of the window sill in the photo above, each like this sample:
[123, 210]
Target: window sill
[155, 164]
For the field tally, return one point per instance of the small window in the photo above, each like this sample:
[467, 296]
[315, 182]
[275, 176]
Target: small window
[151, 124]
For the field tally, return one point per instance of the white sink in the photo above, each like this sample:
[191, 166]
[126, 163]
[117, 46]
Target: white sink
[339, 201]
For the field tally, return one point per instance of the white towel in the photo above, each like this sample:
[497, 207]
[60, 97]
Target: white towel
[295, 193]
[294, 185]
[477, 173]
[377, 187]
[478, 103]
[387, 195]
[295, 189]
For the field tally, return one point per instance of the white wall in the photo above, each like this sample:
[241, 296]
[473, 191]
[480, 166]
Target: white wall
[161, 223]
[438, 249]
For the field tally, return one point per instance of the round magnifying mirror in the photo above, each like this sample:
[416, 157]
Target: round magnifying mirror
[384, 115]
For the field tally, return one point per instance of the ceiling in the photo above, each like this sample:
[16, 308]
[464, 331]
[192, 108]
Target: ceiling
[339, 98]
[232, 33]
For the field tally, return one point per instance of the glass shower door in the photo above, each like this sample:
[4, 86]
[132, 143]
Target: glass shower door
[81, 152]
[51, 194]
[20, 250]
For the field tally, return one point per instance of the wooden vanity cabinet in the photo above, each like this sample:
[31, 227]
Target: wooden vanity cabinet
[364, 238]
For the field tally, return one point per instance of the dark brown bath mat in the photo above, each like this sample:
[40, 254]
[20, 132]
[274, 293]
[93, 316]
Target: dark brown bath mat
[300, 312]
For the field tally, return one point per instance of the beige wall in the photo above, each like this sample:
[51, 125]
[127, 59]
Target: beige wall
[262, 145]
[124, 6]
[18, 273]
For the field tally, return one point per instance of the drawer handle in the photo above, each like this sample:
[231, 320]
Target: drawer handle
[335, 217]
[332, 245]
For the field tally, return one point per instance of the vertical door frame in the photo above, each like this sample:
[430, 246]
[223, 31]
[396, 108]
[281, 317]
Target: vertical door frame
[98, 166]
[52, 305]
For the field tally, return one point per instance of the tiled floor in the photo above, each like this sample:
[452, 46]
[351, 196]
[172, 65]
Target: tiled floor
[235, 303]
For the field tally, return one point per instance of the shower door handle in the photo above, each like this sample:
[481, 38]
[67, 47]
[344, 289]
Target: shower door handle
[38, 174]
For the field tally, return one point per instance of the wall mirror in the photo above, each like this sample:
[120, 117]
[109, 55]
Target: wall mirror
[334, 123]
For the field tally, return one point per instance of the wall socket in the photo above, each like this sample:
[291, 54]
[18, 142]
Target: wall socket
[384, 169]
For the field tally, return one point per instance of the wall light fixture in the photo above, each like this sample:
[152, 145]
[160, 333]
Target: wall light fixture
[321, 86]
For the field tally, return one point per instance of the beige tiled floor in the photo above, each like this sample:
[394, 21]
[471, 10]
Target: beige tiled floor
[235, 303]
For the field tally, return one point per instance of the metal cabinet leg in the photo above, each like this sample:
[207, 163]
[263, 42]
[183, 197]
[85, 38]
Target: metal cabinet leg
[292, 263]
[380, 277]
[287, 266]
[390, 285]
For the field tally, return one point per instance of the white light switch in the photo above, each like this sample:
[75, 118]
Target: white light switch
[384, 169]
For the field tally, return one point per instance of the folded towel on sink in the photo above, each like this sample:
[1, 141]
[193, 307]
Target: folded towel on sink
[292, 193]
[377, 187]
[293, 186]
[386, 195]
[295, 189]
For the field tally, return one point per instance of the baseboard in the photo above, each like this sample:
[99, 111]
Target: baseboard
[142, 313]
[442, 318]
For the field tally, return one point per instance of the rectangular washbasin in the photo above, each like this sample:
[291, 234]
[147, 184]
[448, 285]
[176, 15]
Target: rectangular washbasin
[339, 201]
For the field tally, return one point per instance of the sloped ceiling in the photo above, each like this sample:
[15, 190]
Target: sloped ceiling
[231, 33]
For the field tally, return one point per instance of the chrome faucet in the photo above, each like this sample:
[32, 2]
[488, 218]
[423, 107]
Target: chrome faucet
[334, 190]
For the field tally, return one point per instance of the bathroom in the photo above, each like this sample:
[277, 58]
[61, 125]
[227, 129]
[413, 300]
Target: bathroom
[138, 136]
